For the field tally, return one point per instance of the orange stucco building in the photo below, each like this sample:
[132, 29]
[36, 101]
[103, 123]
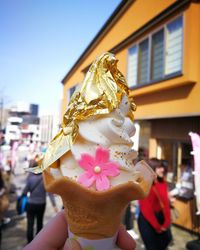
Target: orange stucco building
[158, 47]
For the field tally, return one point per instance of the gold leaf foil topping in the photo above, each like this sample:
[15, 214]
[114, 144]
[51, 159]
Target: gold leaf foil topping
[102, 91]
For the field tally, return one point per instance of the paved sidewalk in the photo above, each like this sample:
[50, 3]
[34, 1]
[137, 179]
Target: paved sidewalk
[14, 233]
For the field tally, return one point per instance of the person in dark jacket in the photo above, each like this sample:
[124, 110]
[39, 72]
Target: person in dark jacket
[36, 202]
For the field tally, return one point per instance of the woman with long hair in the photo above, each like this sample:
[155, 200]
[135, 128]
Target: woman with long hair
[154, 217]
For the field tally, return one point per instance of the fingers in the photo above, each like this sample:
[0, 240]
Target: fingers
[124, 240]
[52, 236]
[72, 244]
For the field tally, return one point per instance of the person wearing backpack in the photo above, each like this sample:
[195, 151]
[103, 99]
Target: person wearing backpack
[36, 202]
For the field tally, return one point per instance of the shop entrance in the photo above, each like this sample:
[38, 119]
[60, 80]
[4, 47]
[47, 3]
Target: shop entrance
[178, 155]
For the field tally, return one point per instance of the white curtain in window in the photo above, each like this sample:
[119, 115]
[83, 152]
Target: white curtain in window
[174, 40]
[132, 66]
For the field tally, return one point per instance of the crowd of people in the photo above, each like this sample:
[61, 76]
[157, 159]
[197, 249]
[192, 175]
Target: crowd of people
[33, 189]
[152, 213]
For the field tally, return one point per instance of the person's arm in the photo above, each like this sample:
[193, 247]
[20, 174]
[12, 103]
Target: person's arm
[53, 202]
[167, 216]
[2, 191]
[54, 236]
[27, 187]
[2, 184]
[146, 208]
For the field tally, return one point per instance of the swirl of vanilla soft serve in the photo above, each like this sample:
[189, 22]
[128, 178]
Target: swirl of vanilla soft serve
[112, 131]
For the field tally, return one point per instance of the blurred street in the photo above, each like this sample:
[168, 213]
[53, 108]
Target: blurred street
[14, 233]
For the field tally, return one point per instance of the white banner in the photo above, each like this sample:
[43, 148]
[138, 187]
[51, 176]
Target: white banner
[196, 153]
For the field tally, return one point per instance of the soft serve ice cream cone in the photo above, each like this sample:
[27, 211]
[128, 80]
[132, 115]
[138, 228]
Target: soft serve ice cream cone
[90, 162]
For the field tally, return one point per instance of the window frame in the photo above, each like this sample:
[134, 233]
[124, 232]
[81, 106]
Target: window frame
[69, 95]
[138, 57]
[127, 63]
[150, 54]
[149, 37]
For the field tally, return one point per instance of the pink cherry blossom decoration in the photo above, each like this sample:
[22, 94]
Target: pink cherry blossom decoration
[97, 169]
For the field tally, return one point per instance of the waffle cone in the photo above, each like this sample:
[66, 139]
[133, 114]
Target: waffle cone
[91, 214]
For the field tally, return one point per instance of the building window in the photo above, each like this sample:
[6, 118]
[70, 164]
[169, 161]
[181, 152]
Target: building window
[143, 55]
[132, 66]
[174, 41]
[158, 56]
[70, 92]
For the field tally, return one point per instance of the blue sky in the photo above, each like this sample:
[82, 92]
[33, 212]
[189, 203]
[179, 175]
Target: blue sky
[40, 41]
